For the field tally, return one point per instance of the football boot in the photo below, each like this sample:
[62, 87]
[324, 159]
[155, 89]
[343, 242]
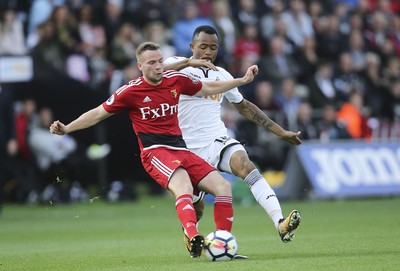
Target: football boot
[196, 246]
[287, 226]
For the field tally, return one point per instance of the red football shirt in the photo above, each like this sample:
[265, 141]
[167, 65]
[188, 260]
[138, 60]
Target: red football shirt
[153, 110]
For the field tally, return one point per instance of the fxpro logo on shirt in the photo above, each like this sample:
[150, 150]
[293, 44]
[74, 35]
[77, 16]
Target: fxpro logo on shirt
[162, 110]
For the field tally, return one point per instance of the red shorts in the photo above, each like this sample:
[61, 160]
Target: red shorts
[161, 163]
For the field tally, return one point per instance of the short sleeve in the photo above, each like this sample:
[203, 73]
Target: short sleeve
[117, 103]
[190, 86]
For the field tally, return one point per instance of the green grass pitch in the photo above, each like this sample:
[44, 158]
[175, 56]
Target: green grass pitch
[362, 234]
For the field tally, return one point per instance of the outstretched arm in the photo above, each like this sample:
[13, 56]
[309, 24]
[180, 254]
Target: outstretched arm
[216, 87]
[189, 62]
[254, 114]
[88, 119]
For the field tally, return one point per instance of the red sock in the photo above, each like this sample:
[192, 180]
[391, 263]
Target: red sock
[187, 214]
[223, 213]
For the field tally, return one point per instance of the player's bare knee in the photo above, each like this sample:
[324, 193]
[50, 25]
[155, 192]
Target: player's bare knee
[248, 166]
[225, 188]
[242, 166]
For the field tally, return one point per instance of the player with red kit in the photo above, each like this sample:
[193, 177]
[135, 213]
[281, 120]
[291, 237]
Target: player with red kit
[152, 103]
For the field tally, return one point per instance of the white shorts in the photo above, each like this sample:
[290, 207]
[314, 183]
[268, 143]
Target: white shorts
[218, 154]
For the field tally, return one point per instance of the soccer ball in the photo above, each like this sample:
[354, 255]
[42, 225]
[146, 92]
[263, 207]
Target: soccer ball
[220, 246]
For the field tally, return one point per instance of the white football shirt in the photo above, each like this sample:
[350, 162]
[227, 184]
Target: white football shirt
[200, 117]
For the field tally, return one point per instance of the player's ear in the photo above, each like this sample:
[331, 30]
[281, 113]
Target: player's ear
[192, 46]
[139, 66]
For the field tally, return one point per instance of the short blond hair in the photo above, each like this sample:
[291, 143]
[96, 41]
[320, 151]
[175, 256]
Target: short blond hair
[146, 46]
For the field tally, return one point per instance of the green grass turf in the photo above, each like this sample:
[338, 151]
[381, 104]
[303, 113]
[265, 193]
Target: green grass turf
[334, 235]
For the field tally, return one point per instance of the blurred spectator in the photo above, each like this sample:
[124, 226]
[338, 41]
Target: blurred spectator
[317, 15]
[25, 118]
[100, 68]
[288, 101]
[204, 7]
[47, 53]
[375, 90]
[151, 11]
[392, 103]
[124, 44]
[12, 38]
[346, 79]
[383, 6]
[394, 5]
[229, 117]
[330, 39]
[355, 116]
[394, 33]
[76, 67]
[94, 48]
[240, 70]
[329, 128]
[289, 47]
[305, 122]
[60, 166]
[264, 96]
[246, 13]
[40, 12]
[68, 40]
[356, 22]
[387, 52]
[341, 11]
[321, 88]
[268, 20]
[248, 43]
[119, 77]
[48, 148]
[183, 28]
[91, 33]
[25, 173]
[278, 65]
[391, 71]
[157, 32]
[8, 141]
[364, 10]
[112, 18]
[377, 32]
[225, 26]
[66, 30]
[308, 59]
[357, 50]
[298, 22]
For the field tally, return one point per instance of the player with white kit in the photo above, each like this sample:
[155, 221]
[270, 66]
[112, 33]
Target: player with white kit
[206, 135]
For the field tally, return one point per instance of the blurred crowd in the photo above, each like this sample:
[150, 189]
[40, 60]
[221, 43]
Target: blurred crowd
[330, 69]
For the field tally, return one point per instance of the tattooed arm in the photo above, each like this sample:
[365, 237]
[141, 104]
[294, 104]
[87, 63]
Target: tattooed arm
[254, 114]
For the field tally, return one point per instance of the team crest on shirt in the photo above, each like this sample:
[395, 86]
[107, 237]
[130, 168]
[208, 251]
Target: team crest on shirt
[176, 162]
[173, 93]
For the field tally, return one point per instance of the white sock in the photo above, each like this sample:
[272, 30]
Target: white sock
[264, 195]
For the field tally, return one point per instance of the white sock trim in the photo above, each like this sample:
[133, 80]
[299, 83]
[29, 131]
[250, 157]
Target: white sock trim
[252, 177]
